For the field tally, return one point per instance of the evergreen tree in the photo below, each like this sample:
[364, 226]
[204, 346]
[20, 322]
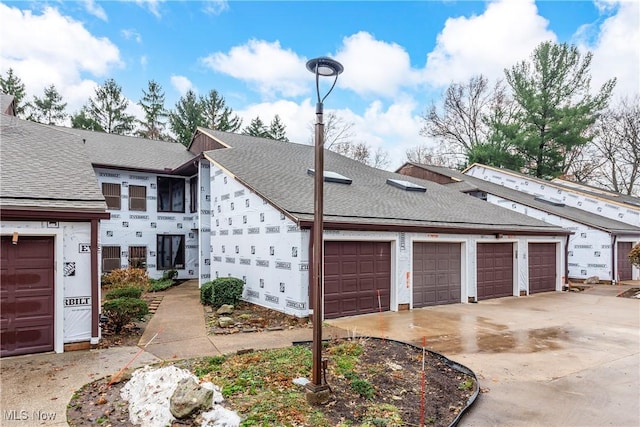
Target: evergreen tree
[217, 115]
[108, 109]
[12, 85]
[152, 103]
[256, 128]
[82, 120]
[277, 130]
[556, 108]
[186, 117]
[49, 109]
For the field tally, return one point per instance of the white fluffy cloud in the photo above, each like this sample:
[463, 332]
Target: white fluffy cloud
[272, 70]
[615, 49]
[296, 116]
[131, 34]
[374, 67]
[50, 48]
[95, 9]
[507, 32]
[215, 7]
[152, 5]
[181, 83]
[394, 128]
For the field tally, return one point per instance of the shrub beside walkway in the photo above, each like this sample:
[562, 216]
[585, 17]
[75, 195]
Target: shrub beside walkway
[182, 333]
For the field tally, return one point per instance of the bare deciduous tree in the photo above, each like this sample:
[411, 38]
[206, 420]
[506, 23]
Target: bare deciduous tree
[339, 137]
[427, 155]
[465, 117]
[617, 145]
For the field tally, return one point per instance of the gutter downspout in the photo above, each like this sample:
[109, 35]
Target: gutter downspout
[566, 262]
[613, 259]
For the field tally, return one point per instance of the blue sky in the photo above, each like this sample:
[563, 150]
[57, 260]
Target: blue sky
[398, 56]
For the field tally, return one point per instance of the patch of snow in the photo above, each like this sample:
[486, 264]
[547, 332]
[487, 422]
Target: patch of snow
[220, 416]
[149, 392]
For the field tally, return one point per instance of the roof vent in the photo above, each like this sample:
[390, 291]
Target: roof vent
[550, 202]
[330, 176]
[406, 185]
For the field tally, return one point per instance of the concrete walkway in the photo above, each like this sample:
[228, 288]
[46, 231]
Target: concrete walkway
[550, 359]
[181, 331]
[37, 388]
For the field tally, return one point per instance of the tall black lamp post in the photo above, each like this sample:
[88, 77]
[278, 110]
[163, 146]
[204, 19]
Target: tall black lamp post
[325, 67]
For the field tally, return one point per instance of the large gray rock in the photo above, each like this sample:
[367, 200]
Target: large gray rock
[189, 398]
[225, 309]
[226, 322]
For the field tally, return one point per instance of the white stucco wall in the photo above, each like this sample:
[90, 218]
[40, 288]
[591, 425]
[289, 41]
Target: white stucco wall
[136, 228]
[620, 212]
[72, 291]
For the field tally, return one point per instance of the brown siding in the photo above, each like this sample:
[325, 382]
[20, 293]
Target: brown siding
[418, 172]
[202, 142]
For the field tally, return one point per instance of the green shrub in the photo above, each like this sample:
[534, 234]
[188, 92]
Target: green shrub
[121, 311]
[225, 290]
[159, 284]
[126, 292]
[363, 388]
[169, 274]
[206, 293]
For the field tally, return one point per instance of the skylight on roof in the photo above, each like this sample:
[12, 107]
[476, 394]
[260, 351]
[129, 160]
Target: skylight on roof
[330, 176]
[406, 185]
[549, 202]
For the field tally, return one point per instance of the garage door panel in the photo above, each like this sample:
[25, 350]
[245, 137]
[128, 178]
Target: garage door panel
[494, 270]
[27, 295]
[542, 267]
[436, 273]
[354, 275]
[625, 271]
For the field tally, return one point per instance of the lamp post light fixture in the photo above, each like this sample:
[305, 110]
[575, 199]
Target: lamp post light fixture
[325, 67]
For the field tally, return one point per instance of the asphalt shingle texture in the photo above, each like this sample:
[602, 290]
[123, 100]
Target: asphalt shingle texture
[467, 183]
[131, 152]
[278, 171]
[41, 167]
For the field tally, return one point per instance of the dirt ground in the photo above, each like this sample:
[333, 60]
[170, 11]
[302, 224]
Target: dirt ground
[395, 371]
[248, 317]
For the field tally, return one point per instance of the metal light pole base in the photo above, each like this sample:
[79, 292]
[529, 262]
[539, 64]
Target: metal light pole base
[317, 394]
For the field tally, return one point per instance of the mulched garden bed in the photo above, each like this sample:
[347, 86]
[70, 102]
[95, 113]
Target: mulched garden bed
[248, 317]
[388, 391]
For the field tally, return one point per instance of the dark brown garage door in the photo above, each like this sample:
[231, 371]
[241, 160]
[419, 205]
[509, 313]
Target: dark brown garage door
[26, 294]
[542, 267]
[436, 273]
[495, 270]
[624, 265]
[354, 272]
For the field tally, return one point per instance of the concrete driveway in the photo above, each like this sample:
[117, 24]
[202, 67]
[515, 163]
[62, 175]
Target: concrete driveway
[552, 359]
